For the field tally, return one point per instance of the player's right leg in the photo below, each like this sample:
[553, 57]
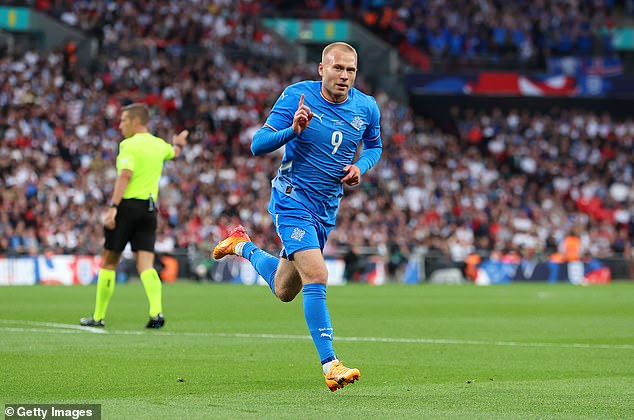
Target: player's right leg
[288, 282]
[238, 243]
[228, 245]
[279, 273]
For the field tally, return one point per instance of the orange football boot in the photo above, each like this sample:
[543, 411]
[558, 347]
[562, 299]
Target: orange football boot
[340, 376]
[228, 245]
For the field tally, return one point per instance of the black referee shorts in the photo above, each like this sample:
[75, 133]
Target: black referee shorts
[134, 224]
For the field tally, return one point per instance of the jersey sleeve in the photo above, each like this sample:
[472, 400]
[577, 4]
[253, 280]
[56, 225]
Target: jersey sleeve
[125, 158]
[282, 113]
[373, 130]
[169, 151]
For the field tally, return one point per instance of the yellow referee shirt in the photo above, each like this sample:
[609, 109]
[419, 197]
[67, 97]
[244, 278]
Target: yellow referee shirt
[144, 155]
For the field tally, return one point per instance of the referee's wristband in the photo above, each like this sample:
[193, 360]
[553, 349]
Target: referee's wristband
[112, 204]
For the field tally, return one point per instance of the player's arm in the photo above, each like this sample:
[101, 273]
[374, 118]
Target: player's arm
[268, 139]
[370, 155]
[372, 149]
[119, 188]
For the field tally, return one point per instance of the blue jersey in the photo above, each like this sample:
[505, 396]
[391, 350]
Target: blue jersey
[313, 162]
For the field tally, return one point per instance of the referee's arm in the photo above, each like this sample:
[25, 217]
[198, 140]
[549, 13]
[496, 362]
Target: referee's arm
[119, 188]
[178, 142]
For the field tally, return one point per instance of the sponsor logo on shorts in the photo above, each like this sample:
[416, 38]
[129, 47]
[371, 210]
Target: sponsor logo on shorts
[298, 234]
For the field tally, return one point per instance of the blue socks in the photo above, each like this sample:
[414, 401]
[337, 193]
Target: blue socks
[318, 320]
[263, 262]
[315, 309]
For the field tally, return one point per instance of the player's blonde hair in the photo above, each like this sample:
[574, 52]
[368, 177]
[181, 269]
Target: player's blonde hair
[340, 46]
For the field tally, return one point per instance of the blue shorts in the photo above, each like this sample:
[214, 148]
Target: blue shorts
[298, 228]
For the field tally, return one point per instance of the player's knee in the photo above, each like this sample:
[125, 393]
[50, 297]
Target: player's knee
[318, 276]
[286, 294]
[287, 297]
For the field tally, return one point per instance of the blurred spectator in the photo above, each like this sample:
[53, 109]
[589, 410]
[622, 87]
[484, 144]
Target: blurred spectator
[571, 246]
[509, 181]
[461, 33]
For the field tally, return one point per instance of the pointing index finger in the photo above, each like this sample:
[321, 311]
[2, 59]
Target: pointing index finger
[301, 101]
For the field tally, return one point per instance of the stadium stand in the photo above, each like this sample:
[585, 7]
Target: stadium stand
[452, 34]
[510, 181]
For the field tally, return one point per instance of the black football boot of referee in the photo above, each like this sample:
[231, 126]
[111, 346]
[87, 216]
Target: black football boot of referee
[91, 322]
[156, 321]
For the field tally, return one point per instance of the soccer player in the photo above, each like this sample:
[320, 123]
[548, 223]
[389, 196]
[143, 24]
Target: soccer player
[131, 216]
[321, 123]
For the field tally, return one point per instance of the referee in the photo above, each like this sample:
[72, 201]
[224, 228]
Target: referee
[131, 215]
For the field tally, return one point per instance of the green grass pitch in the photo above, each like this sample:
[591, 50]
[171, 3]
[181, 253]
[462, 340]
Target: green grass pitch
[518, 351]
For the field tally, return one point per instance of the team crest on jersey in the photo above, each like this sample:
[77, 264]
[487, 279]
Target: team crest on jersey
[298, 234]
[357, 122]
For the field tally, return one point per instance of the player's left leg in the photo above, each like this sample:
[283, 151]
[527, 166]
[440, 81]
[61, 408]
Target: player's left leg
[312, 268]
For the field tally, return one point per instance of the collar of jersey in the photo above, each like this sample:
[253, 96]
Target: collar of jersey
[335, 103]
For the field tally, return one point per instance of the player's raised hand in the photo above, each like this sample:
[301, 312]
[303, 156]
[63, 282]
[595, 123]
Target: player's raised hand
[302, 116]
[353, 175]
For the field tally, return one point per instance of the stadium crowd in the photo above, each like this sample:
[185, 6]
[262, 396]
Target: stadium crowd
[503, 181]
[462, 32]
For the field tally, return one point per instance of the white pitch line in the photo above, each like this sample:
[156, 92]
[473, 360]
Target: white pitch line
[435, 341]
[68, 328]
[38, 330]
[489, 343]
[54, 325]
